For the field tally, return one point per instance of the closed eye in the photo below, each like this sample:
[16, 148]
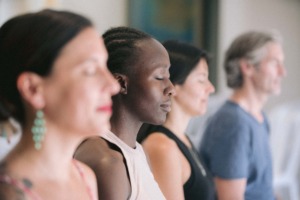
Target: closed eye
[90, 70]
[202, 80]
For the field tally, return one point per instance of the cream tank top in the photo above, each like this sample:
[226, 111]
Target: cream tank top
[143, 184]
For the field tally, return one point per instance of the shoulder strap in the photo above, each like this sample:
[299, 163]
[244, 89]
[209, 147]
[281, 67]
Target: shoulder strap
[80, 171]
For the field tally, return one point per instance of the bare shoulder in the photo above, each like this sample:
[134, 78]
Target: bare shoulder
[109, 166]
[97, 152]
[165, 161]
[160, 143]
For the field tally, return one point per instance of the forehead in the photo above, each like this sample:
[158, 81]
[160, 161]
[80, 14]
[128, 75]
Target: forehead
[87, 44]
[275, 51]
[202, 65]
[87, 39]
[151, 55]
[201, 68]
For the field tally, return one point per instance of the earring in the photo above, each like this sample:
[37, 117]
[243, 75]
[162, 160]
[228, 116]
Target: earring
[38, 129]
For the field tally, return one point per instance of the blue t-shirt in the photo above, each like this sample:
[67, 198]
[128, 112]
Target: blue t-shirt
[235, 145]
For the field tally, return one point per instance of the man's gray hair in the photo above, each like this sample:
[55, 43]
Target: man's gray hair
[251, 46]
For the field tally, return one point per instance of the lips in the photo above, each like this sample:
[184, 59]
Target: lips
[166, 107]
[106, 108]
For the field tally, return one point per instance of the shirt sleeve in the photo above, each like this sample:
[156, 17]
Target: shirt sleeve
[228, 150]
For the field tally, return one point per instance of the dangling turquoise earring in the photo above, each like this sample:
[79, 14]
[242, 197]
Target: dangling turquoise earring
[38, 129]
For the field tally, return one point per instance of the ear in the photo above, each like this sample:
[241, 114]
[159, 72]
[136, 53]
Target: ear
[246, 67]
[123, 82]
[31, 89]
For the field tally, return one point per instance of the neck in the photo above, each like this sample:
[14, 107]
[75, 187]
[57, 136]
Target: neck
[177, 121]
[250, 100]
[125, 126]
[55, 155]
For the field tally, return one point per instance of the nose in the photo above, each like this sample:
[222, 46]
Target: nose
[211, 88]
[282, 70]
[111, 84]
[169, 90]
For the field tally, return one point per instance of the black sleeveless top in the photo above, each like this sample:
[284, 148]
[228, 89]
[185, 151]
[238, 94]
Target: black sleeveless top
[199, 186]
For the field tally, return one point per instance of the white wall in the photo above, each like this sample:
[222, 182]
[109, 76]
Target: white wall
[237, 16]
[104, 13]
[9, 8]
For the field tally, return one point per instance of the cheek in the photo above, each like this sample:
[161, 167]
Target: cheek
[269, 73]
[70, 100]
[150, 99]
[73, 102]
[79, 111]
[267, 78]
[83, 99]
[195, 93]
[147, 106]
[147, 93]
[78, 92]
[196, 100]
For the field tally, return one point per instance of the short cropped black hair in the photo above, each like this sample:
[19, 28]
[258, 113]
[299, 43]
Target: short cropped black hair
[120, 43]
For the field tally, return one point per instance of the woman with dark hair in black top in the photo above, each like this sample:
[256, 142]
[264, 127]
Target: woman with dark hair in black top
[173, 159]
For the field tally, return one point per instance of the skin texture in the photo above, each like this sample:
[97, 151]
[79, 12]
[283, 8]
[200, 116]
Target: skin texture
[152, 83]
[193, 94]
[144, 97]
[88, 79]
[267, 78]
[170, 167]
[259, 83]
[76, 100]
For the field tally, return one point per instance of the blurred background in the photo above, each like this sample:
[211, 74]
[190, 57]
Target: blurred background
[212, 25]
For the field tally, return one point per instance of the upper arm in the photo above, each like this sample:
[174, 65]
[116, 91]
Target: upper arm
[165, 163]
[109, 167]
[230, 189]
[112, 178]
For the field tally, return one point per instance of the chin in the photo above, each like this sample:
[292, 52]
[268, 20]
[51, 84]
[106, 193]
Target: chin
[202, 112]
[158, 121]
[276, 92]
[199, 112]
